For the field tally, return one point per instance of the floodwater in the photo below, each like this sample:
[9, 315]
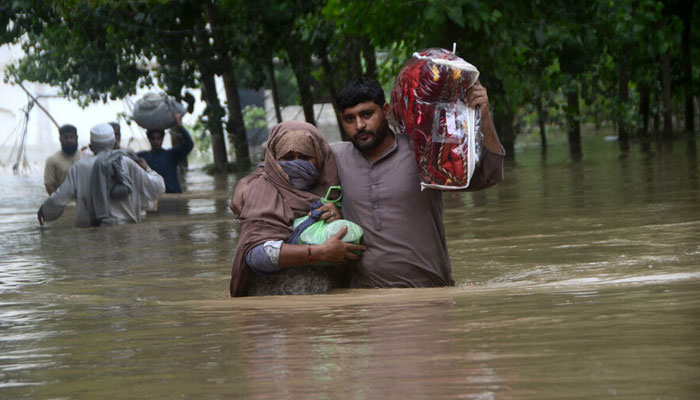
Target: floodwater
[575, 280]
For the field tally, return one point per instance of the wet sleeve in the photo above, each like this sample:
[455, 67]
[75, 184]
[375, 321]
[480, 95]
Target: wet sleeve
[146, 155]
[186, 146]
[489, 172]
[54, 205]
[264, 258]
[152, 184]
[149, 184]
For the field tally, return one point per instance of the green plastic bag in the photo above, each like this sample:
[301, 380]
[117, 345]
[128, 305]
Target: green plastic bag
[320, 231]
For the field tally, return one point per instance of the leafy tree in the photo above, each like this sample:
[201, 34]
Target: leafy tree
[590, 60]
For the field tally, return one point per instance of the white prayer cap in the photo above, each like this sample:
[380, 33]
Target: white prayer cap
[101, 134]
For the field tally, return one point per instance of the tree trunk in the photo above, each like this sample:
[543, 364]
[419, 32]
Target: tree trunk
[644, 109]
[353, 65]
[596, 119]
[504, 121]
[688, 69]
[368, 53]
[573, 124]
[273, 87]
[330, 86]
[300, 62]
[667, 105]
[542, 120]
[214, 112]
[623, 97]
[235, 126]
[300, 66]
[656, 114]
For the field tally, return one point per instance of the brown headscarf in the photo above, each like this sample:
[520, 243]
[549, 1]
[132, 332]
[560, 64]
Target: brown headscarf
[266, 203]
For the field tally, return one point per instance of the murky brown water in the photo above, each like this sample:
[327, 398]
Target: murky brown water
[575, 280]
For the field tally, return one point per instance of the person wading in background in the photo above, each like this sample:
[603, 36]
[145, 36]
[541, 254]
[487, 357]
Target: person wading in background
[165, 161]
[57, 166]
[109, 188]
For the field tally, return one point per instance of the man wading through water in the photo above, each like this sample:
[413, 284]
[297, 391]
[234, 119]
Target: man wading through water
[109, 188]
[403, 227]
[59, 163]
[165, 161]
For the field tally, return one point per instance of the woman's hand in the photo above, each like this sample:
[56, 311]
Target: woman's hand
[333, 250]
[329, 211]
[336, 251]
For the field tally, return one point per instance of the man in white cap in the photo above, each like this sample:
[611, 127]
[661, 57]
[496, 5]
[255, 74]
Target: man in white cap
[111, 182]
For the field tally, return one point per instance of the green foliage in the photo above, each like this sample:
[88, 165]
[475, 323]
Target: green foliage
[391, 59]
[256, 125]
[255, 118]
[286, 85]
[528, 52]
[200, 136]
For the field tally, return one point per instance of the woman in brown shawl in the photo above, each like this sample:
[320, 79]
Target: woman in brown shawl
[299, 168]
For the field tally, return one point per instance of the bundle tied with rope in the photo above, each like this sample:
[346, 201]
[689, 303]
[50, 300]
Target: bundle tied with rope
[154, 111]
[428, 105]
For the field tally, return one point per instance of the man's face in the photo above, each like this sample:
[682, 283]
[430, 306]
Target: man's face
[156, 140]
[69, 142]
[366, 124]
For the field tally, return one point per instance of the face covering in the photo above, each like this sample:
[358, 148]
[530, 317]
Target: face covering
[302, 174]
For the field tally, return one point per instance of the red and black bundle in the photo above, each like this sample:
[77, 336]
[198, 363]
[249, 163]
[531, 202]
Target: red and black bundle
[427, 103]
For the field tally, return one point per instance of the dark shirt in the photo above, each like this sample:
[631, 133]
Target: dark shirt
[403, 227]
[164, 162]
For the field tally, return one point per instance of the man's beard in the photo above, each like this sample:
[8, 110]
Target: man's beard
[69, 149]
[376, 140]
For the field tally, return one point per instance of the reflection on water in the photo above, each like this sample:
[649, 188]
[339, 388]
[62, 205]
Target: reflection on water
[574, 280]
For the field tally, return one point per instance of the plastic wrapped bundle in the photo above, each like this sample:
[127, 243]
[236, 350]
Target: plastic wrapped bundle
[427, 103]
[154, 111]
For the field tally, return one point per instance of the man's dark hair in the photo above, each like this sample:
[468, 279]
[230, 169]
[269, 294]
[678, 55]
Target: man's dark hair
[360, 90]
[67, 128]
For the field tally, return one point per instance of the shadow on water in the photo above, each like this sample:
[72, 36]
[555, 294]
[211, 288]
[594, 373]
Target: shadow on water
[575, 279]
